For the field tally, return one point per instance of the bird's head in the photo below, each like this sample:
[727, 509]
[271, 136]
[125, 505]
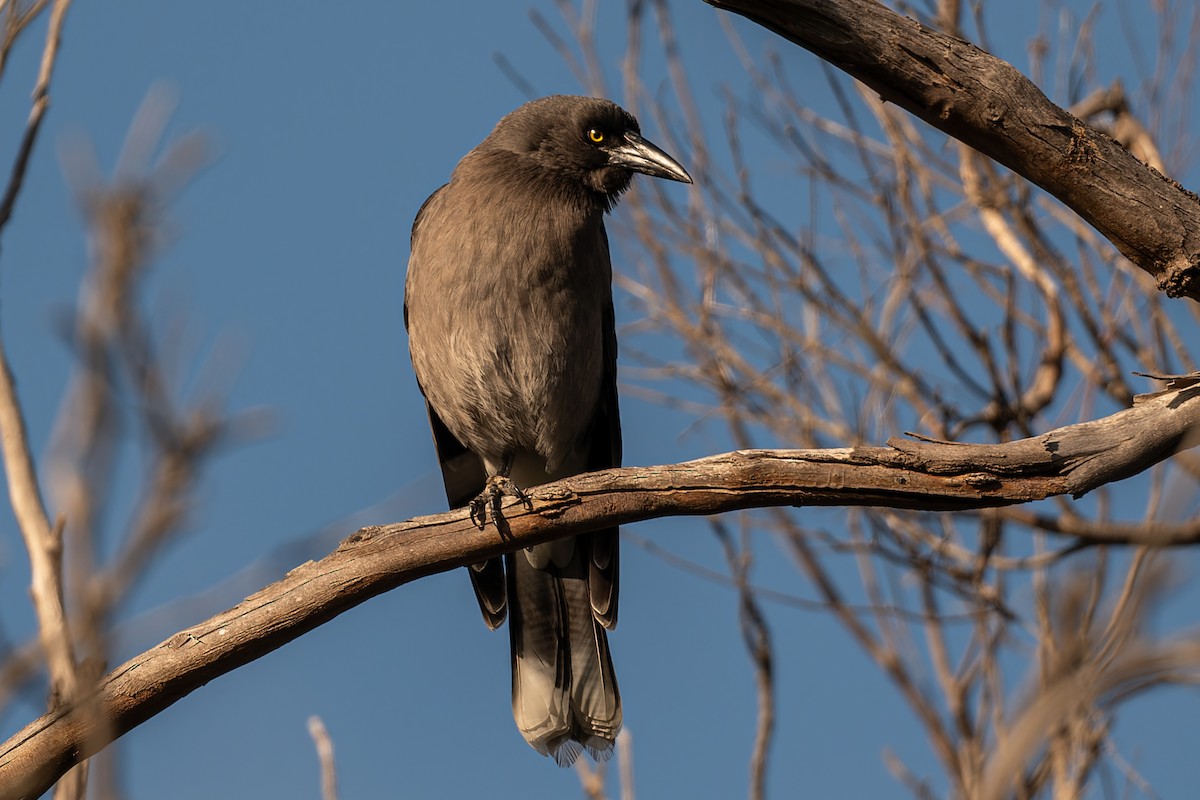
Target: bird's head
[587, 140]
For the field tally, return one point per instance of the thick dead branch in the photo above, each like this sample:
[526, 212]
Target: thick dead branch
[919, 475]
[986, 103]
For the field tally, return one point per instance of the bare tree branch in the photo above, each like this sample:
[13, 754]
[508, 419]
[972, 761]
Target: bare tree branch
[1058, 316]
[41, 100]
[324, 744]
[43, 541]
[986, 103]
[756, 636]
[921, 475]
[1090, 669]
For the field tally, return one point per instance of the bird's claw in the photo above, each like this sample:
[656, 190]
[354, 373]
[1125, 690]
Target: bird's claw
[494, 491]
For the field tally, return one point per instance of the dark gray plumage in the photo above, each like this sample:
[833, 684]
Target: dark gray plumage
[508, 306]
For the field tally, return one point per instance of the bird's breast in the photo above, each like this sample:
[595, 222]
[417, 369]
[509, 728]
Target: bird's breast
[512, 332]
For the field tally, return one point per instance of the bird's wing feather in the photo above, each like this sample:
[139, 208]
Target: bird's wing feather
[463, 475]
[605, 451]
[462, 470]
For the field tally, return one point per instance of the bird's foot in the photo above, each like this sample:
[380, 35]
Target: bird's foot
[494, 491]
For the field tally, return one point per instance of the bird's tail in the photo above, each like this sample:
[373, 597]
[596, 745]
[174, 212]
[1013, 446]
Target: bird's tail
[564, 690]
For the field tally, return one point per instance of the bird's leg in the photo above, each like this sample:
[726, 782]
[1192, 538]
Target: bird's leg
[496, 488]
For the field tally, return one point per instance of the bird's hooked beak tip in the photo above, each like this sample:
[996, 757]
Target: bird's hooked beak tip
[642, 155]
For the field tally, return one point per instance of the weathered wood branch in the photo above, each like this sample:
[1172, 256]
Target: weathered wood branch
[939, 476]
[986, 103]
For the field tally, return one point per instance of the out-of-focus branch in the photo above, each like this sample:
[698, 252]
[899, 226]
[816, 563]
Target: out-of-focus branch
[923, 475]
[756, 637]
[987, 104]
[1089, 670]
[863, 297]
[324, 744]
[120, 367]
[16, 19]
[1093, 532]
[1125, 128]
[1045, 382]
[43, 541]
[625, 764]
[591, 779]
[110, 334]
[41, 101]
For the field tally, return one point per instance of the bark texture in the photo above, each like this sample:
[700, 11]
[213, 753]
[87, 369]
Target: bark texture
[988, 104]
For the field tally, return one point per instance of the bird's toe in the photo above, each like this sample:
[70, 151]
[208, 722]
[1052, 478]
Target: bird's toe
[494, 491]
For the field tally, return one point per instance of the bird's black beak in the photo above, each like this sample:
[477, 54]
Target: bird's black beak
[643, 156]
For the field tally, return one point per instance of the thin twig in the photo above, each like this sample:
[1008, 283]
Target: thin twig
[41, 101]
[324, 745]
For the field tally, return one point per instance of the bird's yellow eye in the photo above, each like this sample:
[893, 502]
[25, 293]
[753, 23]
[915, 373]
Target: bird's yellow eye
[596, 136]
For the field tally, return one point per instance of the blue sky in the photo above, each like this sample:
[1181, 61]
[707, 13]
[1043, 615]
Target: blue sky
[330, 128]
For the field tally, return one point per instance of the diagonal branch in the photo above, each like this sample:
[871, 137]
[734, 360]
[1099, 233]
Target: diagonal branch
[41, 101]
[42, 539]
[917, 475]
[986, 103]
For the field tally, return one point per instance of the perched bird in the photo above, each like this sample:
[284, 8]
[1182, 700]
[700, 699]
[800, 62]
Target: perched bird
[509, 311]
